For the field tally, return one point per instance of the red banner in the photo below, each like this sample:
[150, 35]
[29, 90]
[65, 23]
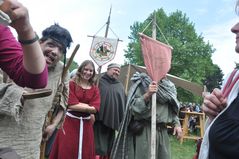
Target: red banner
[157, 57]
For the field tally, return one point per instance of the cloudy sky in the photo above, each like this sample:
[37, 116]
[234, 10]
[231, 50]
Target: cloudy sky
[212, 18]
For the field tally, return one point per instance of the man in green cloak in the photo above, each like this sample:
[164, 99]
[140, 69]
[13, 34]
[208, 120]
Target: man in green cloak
[134, 136]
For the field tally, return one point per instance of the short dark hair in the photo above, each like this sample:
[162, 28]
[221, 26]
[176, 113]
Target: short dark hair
[58, 34]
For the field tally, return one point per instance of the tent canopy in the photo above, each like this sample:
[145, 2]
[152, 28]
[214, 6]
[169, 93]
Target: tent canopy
[127, 72]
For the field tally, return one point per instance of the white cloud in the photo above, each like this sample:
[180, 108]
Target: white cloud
[201, 11]
[81, 18]
[84, 18]
[227, 9]
[224, 41]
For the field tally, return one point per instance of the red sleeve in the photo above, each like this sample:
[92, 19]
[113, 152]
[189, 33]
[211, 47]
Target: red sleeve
[72, 100]
[11, 62]
[95, 102]
[33, 80]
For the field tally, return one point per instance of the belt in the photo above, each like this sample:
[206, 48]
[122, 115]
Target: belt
[80, 131]
[161, 125]
[158, 125]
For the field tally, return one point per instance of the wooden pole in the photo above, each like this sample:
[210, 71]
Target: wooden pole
[153, 113]
[127, 79]
[106, 34]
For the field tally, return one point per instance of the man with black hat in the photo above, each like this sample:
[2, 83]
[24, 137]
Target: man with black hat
[111, 110]
[23, 131]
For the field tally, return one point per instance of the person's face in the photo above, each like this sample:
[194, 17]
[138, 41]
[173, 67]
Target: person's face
[114, 72]
[235, 29]
[88, 72]
[52, 52]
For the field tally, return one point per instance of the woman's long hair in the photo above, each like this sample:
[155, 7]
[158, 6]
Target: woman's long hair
[80, 70]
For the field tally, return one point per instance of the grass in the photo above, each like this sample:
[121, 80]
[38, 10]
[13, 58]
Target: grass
[186, 150]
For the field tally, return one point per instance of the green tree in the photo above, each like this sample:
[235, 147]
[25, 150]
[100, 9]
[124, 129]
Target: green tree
[214, 80]
[73, 65]
[191, 54]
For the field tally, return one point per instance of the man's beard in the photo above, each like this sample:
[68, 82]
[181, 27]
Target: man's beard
[114, 77]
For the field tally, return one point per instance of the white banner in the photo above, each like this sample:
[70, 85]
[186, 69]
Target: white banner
[103, 50]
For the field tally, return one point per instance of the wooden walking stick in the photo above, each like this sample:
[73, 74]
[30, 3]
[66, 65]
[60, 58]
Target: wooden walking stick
[59, 89]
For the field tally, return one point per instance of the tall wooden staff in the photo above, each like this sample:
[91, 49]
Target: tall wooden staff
[50, 113]
[153, 113]
[157, 59]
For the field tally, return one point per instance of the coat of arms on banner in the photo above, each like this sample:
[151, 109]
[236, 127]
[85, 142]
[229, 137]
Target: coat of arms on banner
[103, 50]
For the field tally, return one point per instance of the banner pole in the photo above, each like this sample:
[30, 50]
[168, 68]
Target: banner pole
[153, 113]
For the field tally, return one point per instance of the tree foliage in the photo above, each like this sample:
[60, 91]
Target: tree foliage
[214, 79]
[73, 65]
[191, 54]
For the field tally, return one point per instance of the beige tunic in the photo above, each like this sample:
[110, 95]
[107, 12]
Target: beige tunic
[25, 136]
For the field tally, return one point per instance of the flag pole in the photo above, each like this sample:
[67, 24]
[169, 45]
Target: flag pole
[106, 34]
[153, 110]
